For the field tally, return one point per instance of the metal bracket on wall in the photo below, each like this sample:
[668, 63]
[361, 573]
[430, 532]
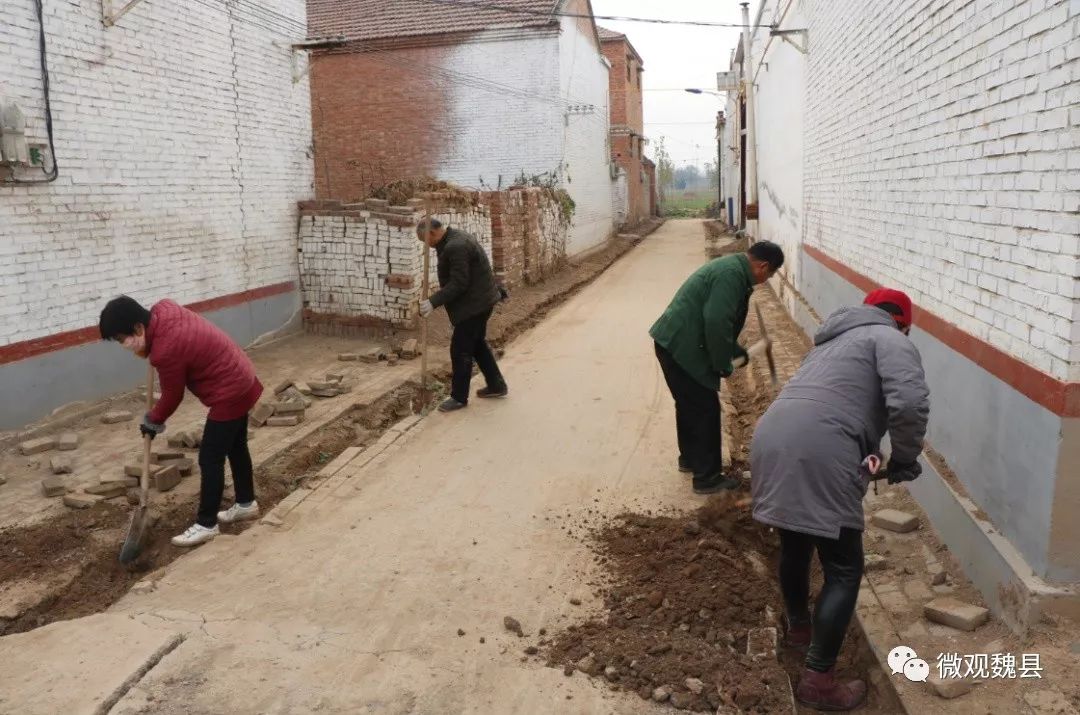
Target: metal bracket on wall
[108, 17]
[325, 43]
[785, 35]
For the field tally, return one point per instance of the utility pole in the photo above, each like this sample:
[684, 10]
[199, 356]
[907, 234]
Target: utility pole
[751, 133]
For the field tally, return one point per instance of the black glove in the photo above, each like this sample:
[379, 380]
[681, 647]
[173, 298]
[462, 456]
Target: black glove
[899, 472]
[504, 294]
[741, 356]
[150, 429]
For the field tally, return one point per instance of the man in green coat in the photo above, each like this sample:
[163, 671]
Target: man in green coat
[696, 344]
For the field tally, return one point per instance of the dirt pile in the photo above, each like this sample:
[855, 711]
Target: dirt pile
[683, 595]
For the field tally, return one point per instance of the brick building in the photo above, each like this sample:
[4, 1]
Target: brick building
[941, 155]
[181, 148]
[627, 125]
[481, 98]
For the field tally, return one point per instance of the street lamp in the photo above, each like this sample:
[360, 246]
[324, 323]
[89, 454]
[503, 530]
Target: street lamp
[695, 90]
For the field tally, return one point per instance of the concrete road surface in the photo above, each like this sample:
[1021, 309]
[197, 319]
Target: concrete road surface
[354, 604]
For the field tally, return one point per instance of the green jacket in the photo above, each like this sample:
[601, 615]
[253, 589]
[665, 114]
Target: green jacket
[703, 321]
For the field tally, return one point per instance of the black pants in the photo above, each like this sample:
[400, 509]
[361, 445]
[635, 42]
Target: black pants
[221, 441]
[697, 418]
[469, 343]
[842, 561]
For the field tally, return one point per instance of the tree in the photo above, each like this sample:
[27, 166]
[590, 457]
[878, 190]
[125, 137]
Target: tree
[712, 175]
[688, 177]
[665, 168]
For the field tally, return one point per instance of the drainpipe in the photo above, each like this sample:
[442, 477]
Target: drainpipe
[751, 125]
[720, 124]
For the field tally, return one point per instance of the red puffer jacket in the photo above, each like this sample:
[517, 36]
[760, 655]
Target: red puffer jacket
[190, 351]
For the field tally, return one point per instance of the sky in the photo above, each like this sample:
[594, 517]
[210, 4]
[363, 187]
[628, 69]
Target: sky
[677, 57]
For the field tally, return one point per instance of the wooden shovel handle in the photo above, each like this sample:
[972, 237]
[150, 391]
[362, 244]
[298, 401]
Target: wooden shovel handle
[144, 480]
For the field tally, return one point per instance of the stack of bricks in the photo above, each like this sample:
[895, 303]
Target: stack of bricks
[362, 265]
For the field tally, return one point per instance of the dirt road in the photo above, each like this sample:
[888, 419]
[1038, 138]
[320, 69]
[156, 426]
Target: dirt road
[355, 603]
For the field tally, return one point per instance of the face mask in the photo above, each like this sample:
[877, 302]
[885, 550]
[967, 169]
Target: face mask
[135, 344]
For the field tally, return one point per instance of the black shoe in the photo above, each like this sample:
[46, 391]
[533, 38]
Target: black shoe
[716, 483]
[684, 467]
[451, 405]
[500, 391]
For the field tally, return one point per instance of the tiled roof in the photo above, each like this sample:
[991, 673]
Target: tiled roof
[380, 19]
[606, 34]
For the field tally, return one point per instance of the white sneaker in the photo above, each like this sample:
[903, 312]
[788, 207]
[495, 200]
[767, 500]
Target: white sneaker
[239, 513]
[195, 535]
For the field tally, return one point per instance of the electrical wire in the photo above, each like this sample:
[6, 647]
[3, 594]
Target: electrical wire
[52, 174]
[616, 18]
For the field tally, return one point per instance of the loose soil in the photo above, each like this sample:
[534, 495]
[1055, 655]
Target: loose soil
[81, 547]
[71, 559]
[681, 592]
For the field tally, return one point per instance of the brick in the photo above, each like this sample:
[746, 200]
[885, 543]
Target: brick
[326, 392]
[372, 355]
[303, 388]
[177, 440]
[949, 688]
[184, 465]
[335, 377]
[895, 520]
[135, 470]
[950, 612]
[54, 486]
[120, 479]
[166, 478]
[286, 421]
[36, 446]
[67, 441]
[81, 500]
[317, 385]
[115, 416]
[345, 386]
[107, 490]
[282, 386]
[410, 349]
[288, 408]
[60, 465]
[165, 456]
[262, 412]
[348, 357]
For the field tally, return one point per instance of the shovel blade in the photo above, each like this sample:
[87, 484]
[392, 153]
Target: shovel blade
[137, 534]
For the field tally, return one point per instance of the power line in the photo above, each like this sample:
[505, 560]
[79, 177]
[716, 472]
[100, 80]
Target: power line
[616, 18]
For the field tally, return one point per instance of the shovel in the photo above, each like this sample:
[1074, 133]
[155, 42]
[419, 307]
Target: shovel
[139, 529]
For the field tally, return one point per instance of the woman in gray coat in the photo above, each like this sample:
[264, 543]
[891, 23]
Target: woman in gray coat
[863, 379]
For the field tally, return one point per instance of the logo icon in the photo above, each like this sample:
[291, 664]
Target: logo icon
[904, 660]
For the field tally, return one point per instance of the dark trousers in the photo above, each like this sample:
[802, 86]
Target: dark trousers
[468, 344]
[697, 418]
[842, 561]
[221, 441]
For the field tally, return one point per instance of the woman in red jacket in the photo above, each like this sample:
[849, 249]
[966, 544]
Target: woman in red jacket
[190, 352]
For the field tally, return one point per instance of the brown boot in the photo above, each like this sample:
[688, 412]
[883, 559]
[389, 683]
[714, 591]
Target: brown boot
[797, 636]
[822, 691]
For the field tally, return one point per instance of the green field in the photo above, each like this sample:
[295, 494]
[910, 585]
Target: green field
[686, 204]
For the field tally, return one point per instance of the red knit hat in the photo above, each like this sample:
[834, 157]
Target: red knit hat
[896, 297]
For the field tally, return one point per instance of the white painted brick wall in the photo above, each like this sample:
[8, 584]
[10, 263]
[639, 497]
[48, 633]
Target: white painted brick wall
[344, 261]
[530, 83]
[183, 147]
[942, 146]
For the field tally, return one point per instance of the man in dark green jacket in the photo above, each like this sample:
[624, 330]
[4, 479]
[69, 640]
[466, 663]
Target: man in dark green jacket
[696, 344]
[468, 289]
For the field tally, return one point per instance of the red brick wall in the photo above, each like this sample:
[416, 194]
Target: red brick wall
[362, 107]
[627, 122]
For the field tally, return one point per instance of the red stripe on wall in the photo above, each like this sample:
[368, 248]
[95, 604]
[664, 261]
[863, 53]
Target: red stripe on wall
[82, 336]
[1060, 397]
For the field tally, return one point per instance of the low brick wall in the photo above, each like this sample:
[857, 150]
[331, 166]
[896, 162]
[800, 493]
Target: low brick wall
[361, 266]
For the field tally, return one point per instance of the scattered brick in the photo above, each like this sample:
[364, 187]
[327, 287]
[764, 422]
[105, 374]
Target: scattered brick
[348, 357]
[192, 438]
[874, 562]
[950, 612]
[410, 349]
[184, 465]
[949, 688]
[282, 386]
[303, 388]
[177, 440]
[120, 479]
[167, 478]
[135, 470]
[325, 392]
[284, 421]
[345, 386]
[335, 377]
[372, 355]
[288, 408]
[67, 441]
[60, 465]
[116, 416]
[316, 385]
[165, 456]
[895, 520]
[262, 412]
[36, 446]
[391, 359]
[81, 500]
[107, 491]
[53, 486]
[761, 643]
